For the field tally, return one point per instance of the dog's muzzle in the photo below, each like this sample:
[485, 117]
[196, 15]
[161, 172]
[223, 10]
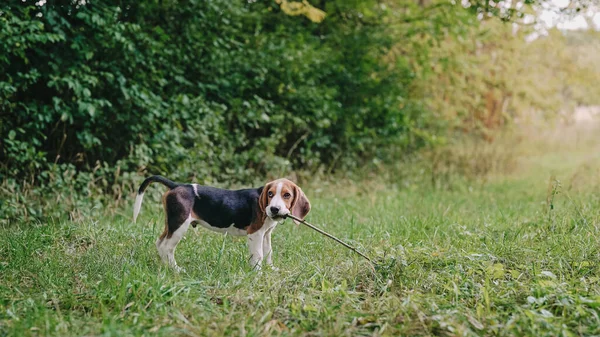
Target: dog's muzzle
[276, 213]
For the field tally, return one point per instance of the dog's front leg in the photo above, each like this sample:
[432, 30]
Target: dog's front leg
[255, 245]
[267, 248]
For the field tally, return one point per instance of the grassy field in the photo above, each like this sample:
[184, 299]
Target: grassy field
[516, 255]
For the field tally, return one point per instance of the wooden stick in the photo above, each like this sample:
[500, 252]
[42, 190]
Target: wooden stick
[330, 236]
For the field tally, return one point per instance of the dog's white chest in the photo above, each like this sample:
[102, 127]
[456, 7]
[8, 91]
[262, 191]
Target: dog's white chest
[231, 230]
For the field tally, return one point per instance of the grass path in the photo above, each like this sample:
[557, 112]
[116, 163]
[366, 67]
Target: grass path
[515, 256]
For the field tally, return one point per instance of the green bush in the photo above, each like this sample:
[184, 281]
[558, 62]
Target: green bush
[205, 90]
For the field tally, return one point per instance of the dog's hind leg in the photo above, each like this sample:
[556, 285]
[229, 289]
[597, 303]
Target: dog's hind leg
[178, 205]
[166, 247]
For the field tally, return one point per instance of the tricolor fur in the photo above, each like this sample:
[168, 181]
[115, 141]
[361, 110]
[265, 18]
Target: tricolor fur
[252, 212]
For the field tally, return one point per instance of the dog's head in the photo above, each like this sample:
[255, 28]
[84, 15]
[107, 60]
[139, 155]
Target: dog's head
[281, 197]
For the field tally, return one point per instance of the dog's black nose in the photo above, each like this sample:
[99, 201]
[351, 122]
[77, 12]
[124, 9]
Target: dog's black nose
[274, 209]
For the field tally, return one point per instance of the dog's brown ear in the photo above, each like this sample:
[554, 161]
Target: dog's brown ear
[300, 204]
[261, 213]
[263, 200]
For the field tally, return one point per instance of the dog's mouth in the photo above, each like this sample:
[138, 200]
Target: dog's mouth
[277, 216]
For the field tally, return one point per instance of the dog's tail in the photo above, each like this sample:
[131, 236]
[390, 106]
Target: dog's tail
[140, 196]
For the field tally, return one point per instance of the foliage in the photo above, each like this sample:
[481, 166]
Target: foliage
[215, 91]
[231, 85]
[562, 66]
[301, 8]
[95, 95]
[494, 75]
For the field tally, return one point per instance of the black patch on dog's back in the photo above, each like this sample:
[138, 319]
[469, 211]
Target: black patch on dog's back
[222, 208]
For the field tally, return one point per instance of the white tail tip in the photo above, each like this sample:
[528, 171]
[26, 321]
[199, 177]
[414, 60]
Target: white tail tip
[137, 206]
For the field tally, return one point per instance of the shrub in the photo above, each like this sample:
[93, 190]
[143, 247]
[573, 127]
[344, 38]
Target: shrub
[208, 90]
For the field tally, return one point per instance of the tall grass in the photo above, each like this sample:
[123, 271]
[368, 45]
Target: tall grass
[513, 254]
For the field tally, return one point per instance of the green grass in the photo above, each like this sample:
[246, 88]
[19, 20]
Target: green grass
[510, 257]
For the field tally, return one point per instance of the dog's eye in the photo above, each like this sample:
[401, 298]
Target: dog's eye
[287, 195]
[270, 194]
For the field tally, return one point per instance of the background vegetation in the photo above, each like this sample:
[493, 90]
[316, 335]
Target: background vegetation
[95, 95]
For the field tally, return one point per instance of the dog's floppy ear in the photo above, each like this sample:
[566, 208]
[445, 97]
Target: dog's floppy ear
[261, 213]
[300, 204]
[263, 202]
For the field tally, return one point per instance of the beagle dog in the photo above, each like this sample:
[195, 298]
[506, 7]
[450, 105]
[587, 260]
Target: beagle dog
[249, 212]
